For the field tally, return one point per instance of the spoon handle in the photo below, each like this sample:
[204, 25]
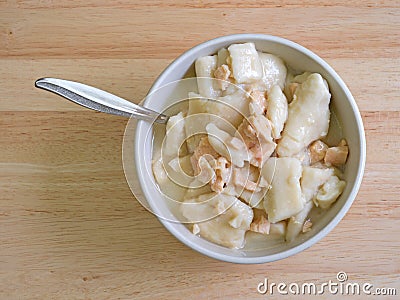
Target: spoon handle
[98, 100]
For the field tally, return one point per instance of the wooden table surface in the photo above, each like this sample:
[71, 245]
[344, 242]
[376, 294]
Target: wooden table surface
[69, 226]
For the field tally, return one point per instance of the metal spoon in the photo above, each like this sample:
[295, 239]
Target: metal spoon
[99, 100]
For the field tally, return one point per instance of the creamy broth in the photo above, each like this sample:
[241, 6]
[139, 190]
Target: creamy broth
[173, 184]
[254, 241]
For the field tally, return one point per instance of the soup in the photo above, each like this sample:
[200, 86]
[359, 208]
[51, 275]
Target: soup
[254, 157]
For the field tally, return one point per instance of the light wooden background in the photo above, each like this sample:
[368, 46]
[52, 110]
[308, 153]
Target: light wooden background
[69, 226]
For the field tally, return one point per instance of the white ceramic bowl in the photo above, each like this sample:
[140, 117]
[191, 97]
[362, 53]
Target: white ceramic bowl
[300, 59]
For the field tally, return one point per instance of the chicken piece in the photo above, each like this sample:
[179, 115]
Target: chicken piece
[308, 118]
[256, 134]
[203, 149]
[292, 83]
[222, 73]
[209, 166]
[317, 151]
[258, 102]
[260, 222]
[249, 136]
[241, 177]
[307, 226]
[337, 155]
[222, 169]
[263, 131]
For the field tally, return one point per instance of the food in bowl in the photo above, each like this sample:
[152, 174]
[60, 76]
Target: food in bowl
[250, 150]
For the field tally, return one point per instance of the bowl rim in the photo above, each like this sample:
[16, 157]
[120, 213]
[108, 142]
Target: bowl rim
[228, 39]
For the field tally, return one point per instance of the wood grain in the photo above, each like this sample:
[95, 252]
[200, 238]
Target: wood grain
[69, 225]
[131, 79]
[84, 32]
[199, 3]
[128, 78]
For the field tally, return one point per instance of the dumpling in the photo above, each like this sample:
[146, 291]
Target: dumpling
[274, 70]
[329, 192]
[159, 172]
[205, 67]
[180, 170]
[278, 229]
[196, 120]
[219, 218]
[308, 118]
[301, 77]
[245, 63]
[222, 56]
[250, 185]
[284, 199]
[230, 147]
[296, 222]
[277, 110]
[196, 188]
[253, 199]
[233, 107]
[226, 112]
[312, 179]
[175, 136]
